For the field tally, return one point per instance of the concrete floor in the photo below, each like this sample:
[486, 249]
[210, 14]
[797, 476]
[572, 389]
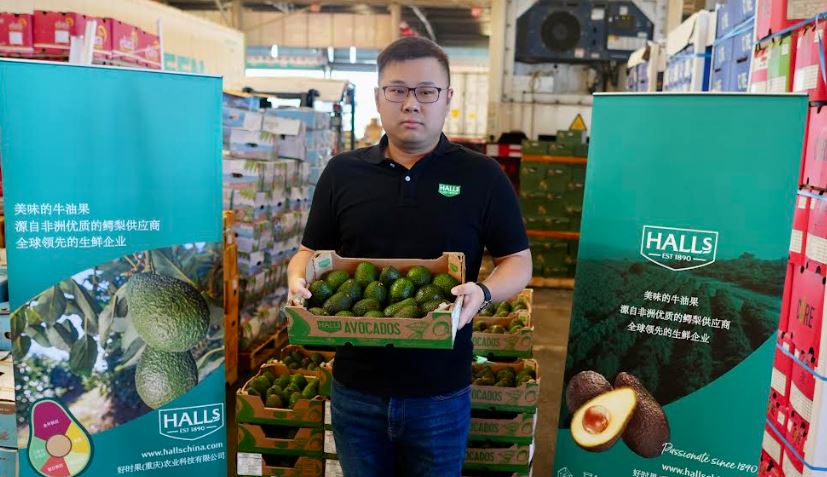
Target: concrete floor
[551, 312]
[552, 309]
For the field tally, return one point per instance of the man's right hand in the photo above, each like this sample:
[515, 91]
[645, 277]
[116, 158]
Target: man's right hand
[298, 290]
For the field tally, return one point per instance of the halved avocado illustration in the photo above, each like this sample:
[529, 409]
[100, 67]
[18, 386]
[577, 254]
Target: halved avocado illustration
[601, 421]
[648, 430]
[585, 386]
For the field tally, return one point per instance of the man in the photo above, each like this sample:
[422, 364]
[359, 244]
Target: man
[406, 412]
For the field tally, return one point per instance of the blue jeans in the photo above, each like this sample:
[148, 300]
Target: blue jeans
[386, 437]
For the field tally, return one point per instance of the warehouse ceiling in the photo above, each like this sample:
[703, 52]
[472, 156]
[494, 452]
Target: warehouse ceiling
[465, 23]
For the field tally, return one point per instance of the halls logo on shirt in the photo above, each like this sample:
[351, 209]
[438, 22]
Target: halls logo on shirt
[449, 190]
[679, 249]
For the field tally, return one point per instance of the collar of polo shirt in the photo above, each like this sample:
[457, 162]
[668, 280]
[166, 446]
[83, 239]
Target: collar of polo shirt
[377, 154]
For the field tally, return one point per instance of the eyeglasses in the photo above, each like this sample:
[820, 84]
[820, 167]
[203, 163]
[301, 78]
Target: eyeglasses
[423, 94]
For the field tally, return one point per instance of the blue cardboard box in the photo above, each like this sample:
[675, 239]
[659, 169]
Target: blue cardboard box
[724, 15]
[742, 45]
[740, 76]
[722, 53]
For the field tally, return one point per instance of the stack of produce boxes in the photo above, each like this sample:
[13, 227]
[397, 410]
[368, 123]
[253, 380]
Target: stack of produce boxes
[644, 70]
[687, 49]
[504, 390]
[268, 183]
[732, 50]
[552, 178]
[280, 414]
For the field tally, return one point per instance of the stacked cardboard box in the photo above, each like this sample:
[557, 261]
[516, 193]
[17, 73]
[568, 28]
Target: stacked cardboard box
[272, 161]
[732, 49]
[502, 436]
[688, 54]
[551, 198]
[645, 68]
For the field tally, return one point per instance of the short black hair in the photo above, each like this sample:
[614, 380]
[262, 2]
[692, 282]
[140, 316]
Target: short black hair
[412, 48]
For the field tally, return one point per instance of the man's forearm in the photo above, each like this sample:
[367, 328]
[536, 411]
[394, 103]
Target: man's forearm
[510, 276]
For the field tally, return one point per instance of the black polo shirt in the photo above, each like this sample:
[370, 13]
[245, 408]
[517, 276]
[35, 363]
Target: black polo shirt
[367, 206]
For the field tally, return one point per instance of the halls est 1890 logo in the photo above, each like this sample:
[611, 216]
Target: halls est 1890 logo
[679, 249]
[191, 423]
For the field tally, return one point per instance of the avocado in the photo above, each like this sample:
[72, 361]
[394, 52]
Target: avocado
[317, 311]
[162, 377]
[401, 289]
[274, 389]
[375, 314]
[283, 381]
[363, 306]
[476, 327]
[169, 314]
[311, 390]
[345, 313]
[496, 329]
[267, 374]
[648, 430]
[419, 275]
[504, 307]
[317, 358]
[488, 310]
[391, 310]
[336, 278]
[389, 275]
[501, 314]
[410, 311]
[515, 328]
[519, 304]
[298, 380]
[366, 273]
[253, 392]
[376, 290]
[274, 400]
[321, 291]
[294, 398]
[446, 282]
[506, 373]
[260, 384]
[351, 288]
[427, 293]
[602, 420]
[584, 386]
[338, 302]
[430, 306]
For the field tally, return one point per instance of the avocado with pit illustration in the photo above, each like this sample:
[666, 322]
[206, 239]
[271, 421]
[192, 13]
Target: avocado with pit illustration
[601, 421]
[585, 386]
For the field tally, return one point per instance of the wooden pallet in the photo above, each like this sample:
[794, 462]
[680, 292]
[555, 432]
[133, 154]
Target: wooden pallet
[258, 354]
[547, 282]
[554, 159]
[553, 234]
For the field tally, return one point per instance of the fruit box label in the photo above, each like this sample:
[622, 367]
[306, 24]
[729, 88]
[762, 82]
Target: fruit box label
[109, 379]
[815, 173]
[816, 248]
[307, 442]
[519, 430]
[798, 236]
[805, 316]
[676, 309]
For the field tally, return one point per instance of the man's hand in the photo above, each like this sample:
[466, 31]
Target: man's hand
[298, 291]
[471, 303]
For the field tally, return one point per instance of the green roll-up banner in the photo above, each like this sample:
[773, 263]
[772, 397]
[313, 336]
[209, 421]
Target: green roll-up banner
[112, 197]
[683, 252]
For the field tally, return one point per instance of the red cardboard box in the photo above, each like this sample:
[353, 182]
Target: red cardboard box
[802, 394]
[16, 35]
[759, 70]
[798, 237]
[778, 410]
[808, 76]
[124, 43]
[815, 149]
[103, 41]
[786, 298]
[772, 450]
[791, 466]
[772, 16]
[149, 50]
[815, 250]
[805, 314]
[52, 32]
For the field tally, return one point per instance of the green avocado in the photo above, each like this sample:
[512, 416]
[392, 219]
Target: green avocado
[366, 273]
[169, 314]
[162, 377]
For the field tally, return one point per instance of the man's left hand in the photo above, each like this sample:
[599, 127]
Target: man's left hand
[471, 303]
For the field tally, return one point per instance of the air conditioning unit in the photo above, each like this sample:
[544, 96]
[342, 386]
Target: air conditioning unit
[574, 32]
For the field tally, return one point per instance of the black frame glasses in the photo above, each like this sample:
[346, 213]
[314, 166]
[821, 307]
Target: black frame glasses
[417, 92]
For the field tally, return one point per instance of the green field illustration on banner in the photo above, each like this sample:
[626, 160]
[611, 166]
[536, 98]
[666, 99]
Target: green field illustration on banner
[680, 276]
[115, 259]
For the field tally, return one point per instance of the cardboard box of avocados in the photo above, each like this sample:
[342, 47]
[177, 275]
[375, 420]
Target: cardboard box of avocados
[512, 428]
[508, 334]
[499, 457]
[277, 440]
[317, 363]
[278, 466]
[517, 396]
[435, 330]
[251, 400]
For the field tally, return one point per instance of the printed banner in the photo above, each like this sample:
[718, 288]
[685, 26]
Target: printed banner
[112, 197]
[682, 262]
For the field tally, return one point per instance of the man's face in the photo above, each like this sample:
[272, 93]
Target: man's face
[413, 124]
